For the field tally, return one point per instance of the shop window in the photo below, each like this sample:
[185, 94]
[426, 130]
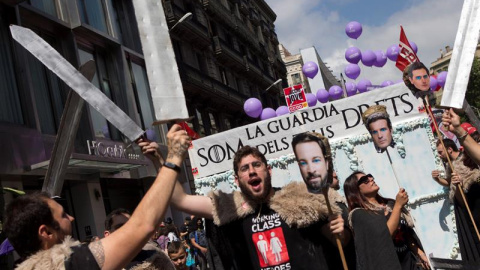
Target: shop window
[100, 125]
[47, 93]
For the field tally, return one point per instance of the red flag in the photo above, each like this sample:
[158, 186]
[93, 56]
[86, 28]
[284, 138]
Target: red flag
[189, 131]
[406, 55]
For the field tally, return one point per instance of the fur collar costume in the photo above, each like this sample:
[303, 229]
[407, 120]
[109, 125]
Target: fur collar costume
[55, 257]
[295, 205]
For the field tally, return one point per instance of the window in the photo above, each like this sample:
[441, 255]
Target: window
[228, 123]
[143, 97]
[213, 123]
[101, 128]
[296, 79]
[92, 12]
[47, 93]
[10, 109]
[199, 120]
[47, 6]
[223, 75]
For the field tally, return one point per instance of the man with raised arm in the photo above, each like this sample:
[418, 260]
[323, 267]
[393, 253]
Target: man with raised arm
[40, 230]
[297, 219]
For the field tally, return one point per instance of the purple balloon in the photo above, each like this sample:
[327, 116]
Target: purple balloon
[322, 95]
[282, 110]
[311, 99]
[351, 88]
[414, 46]
[335, 92]
[368, 58]
[441, 78]
[268, 113]
[310, 69]
[392, 52]
[353, 29]
[352, 71]
[253, 107]
[381, 59]
[353, 55]
[387, 83]
[363, 85]
[433, 83]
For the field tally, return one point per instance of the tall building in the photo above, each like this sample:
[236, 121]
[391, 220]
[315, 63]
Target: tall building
[441, 64]
[102, 173]
[294, 64]
[226, 53]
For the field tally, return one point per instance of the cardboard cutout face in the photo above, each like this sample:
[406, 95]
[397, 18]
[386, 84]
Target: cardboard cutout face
[312, 164]
[381, 134]
[420, 79]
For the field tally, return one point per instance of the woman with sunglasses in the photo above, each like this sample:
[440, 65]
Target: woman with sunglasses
[382, 227]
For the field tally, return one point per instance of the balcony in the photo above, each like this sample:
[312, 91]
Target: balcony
[198, 84]
[274, 38]
[254, 17]
[265, 28]
[191, 31]
[244, 7]
[215, 9]
[228, 55]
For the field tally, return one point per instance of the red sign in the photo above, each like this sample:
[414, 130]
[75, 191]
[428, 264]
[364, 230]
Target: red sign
[295, 97]
[406, 55]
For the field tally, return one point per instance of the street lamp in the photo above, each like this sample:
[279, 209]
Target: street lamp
[272, 85]
[187, 15]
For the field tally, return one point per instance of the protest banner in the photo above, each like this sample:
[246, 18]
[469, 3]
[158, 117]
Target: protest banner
[414, 156]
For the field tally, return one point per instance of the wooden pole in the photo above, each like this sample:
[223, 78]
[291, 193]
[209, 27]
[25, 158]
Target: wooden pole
[459, 186]
[337, 237]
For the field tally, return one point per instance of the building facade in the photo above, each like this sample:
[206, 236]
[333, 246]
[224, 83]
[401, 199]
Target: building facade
[226, 53]
[294, 64]
[102, 174]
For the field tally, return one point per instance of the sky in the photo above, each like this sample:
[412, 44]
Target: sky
[431, 24]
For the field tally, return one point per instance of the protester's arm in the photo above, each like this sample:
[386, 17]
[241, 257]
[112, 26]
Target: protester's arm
[451, 120]
[400, 201]
[413, 245]
[442, 181]
[197, 205]
[117, 250]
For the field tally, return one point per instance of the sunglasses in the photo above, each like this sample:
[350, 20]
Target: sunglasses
[420, 77]
[365, 179]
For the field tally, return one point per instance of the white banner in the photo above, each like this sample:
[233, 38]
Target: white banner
[335, 120]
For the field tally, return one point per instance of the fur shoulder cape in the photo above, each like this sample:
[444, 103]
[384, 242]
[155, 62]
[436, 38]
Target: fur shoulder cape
[294, 203]
[55, 257]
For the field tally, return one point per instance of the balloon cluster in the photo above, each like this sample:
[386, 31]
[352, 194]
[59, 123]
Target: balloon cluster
[369, 58]
[253, 108]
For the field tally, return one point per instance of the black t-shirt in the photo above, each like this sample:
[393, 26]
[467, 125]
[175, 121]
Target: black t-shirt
[81, 258]
[275, 246]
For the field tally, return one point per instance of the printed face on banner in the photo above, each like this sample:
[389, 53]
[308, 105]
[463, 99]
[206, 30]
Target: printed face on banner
[295, 97]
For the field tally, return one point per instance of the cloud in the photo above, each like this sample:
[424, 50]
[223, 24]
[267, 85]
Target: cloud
[431, 24]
